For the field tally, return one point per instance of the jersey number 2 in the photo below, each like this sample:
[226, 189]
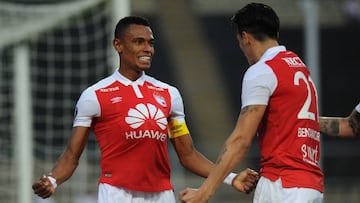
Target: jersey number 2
[305, 110]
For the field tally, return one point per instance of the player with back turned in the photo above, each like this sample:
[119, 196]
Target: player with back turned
[279, 105]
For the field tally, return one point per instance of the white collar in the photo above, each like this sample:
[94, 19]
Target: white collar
[140, 81]
[272, 51]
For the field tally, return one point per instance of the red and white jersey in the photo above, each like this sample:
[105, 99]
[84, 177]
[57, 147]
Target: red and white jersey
[288, 134]
[131, 122]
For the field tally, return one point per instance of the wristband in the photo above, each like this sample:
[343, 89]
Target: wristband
[53, 181]
[229, 179]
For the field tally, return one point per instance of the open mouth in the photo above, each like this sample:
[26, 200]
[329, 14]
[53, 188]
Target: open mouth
[145, 59]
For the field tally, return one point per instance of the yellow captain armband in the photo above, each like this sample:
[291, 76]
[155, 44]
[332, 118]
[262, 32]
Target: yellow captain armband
[177, 129]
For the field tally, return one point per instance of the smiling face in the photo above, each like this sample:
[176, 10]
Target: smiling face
[136, 49]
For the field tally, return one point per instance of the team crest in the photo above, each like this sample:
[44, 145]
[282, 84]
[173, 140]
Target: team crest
[160, 99]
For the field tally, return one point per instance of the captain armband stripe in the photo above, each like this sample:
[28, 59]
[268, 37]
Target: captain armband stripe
[177, 129]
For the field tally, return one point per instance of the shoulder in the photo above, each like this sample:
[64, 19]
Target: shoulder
[103, 82]
[158, 83]
[258, 69]
[90, 91]
[259, 78]
[262, 66]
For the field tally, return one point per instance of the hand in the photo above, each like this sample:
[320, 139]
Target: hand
[191, 195]
[43, 187]
[246, 180]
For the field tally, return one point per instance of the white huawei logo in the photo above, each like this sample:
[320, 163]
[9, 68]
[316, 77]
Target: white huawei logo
[136, 117]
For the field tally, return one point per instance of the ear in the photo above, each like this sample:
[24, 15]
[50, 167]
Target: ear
[117, 45]
[247, 38]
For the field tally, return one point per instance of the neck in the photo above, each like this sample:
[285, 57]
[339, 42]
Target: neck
[262, 47]
[131, 74]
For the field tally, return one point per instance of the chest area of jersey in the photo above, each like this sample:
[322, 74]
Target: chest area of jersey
[137, 107]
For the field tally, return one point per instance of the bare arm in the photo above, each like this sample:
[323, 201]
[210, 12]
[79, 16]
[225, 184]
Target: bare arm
[354, 122]
[190, 158]
[234, 151]
[341, 126]
[69, 160]
[66, 164]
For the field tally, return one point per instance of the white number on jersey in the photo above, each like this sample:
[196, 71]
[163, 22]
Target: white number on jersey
[304, 112]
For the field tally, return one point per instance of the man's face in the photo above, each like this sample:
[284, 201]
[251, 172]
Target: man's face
[136, 48]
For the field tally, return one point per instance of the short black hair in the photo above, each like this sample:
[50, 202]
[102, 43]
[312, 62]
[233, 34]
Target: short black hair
[123, 23]
[258, 19]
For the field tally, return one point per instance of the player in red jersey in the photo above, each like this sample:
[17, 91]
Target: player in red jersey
[133, 115]
[279, 104]
[342, 126]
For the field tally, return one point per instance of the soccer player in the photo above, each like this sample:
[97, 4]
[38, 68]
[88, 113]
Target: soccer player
[342, 126]
[132, 116]
[279, 104]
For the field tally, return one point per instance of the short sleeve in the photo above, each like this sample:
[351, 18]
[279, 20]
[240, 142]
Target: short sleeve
[258, 85]
[177, 124]
[87, 107]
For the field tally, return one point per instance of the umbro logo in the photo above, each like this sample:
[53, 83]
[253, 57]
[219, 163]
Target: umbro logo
[115, 100]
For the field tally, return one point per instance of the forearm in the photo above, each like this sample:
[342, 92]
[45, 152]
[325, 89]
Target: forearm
[335, 126]
[197, 163]
[341, 126]
[69, 160]
[233, 153]
[64, 168]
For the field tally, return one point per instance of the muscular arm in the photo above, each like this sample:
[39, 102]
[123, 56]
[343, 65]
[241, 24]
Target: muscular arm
[189, 157]
[234, 151]
[192, 159]
[65, 165]
[341, 126]
[69, 160]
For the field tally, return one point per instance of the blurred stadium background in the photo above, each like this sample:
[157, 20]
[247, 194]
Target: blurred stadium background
[50, 50]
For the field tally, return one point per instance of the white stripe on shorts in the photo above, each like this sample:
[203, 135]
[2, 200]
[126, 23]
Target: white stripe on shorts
[273, 192]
